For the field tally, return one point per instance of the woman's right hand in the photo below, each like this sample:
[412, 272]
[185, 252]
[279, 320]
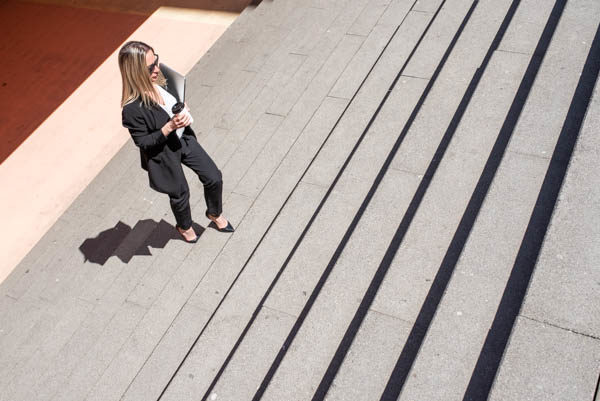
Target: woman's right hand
[168, 127]
[178, 121]
[182, 119]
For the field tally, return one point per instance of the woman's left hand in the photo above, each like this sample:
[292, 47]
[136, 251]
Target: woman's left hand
[189, 112]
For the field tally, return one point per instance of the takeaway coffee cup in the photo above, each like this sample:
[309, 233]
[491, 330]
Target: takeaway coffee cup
[177, 108]
[180, 107]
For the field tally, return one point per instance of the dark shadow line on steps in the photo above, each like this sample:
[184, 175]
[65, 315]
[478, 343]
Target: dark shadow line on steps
[313, 218]
[257, 310]
[597, 392]
[277, 361]
[434, 296]
[345, 239]
[312, 298]
[377, 280]
[510, 305]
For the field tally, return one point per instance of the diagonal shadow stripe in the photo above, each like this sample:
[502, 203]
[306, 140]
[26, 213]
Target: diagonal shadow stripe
[386, 262]
[323, 201]
[322, 280]
[425, 317]
[257, 310]
[510, 305]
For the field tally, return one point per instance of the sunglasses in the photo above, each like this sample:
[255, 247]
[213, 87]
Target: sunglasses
[153, 65]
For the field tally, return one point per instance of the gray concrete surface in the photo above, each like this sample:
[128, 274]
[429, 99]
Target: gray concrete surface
[547, 362]
[282, 99]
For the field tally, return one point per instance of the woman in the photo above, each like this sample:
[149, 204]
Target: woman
[166, 141]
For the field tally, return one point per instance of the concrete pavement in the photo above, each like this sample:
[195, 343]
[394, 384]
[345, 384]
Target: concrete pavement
[414, 209]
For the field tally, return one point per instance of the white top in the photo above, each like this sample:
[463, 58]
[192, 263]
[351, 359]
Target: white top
[169, 103]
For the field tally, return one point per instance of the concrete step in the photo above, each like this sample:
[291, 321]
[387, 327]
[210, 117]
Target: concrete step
[264, 266]
[155, 290]
[44, 284]
[338, 282]
[365, 368]
[562, 295]
[83, 329]
[234, 63]
[445, 368]
[342, 291]
[56, 240]
[227, 266]
[60, 272]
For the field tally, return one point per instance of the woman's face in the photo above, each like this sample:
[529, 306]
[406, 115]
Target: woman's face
[152, 62]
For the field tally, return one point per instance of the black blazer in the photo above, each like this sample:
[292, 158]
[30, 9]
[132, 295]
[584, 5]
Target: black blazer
[159, 154]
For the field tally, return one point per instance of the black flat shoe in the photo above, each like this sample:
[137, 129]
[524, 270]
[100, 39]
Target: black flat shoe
[228, 229]
[185, 239]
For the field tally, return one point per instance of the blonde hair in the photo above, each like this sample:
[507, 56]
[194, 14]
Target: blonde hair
[135, 76]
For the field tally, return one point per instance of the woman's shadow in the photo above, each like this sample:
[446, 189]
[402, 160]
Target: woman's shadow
[125, 242]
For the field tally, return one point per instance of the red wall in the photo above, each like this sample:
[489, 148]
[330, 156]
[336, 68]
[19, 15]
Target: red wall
[46, 52]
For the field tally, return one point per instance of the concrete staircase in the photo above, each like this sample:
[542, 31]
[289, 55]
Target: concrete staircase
[413, 190]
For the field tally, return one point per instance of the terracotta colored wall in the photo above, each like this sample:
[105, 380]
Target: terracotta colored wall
[46, 52]
[147, 7]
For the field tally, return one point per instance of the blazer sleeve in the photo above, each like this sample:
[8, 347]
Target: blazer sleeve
[134, 121]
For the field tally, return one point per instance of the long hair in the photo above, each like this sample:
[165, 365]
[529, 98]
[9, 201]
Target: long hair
[135, 76]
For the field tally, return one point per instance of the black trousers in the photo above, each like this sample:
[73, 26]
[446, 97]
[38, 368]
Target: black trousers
[196, 158]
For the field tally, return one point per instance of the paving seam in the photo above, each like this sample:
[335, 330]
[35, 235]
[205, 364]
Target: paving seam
[260, 241]
[118, 183]
[279, 51]
[512, 300]
[58, 260]
[32, 263]
[255, 314]
[116, 309]
[21, 288]
[54, 307]
[344, 347]
[63, 281]
[388, 315]
[417, 335]
[93, 183]
[63, 303]
[544, 322]
[534, 156]
[214, 120]
[279, 311]
[199, 201]
[59, 311]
